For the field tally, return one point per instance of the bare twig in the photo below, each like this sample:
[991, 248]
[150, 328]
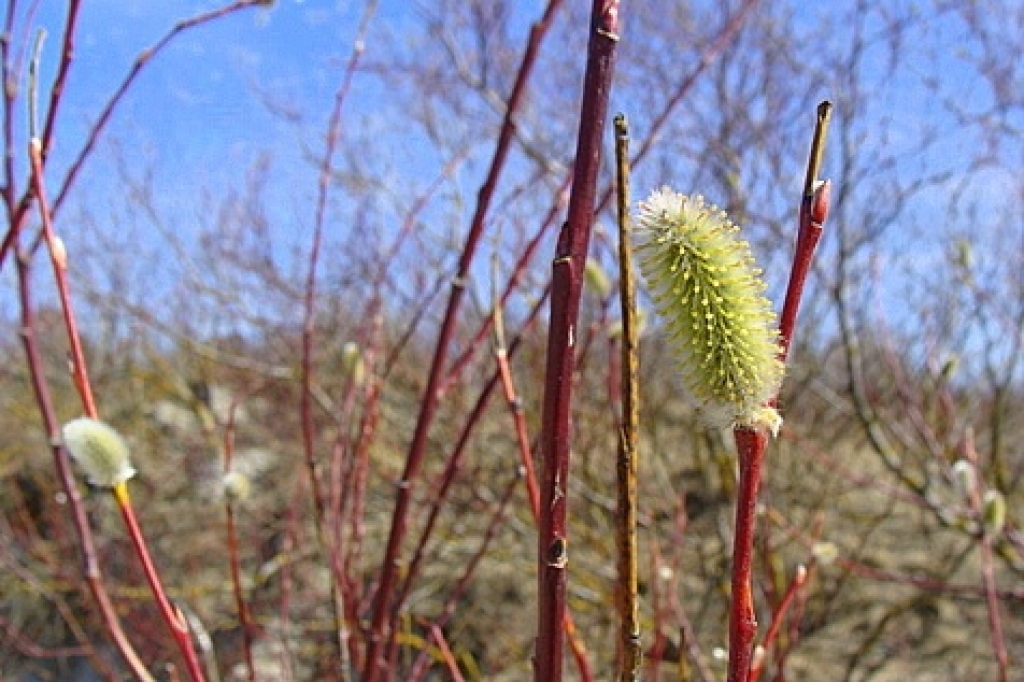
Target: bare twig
[813, 212]
[234, 561]
[566, 288]
[626, 518]
[799, 580]
[751, 443]
[988, 574]
[501, 353]
[327, 540]
[173, 617]
[91, 567]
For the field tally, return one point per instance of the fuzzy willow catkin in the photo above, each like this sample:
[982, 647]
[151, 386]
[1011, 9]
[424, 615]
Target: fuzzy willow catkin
[708, 290]
[99, 450]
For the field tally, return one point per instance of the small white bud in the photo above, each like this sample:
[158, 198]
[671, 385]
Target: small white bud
[825, 552]
[99, 450]
[965, 478]
[60, 253]
[235, 487]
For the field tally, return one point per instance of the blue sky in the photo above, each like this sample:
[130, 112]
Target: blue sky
[195, 108]
[196, 118]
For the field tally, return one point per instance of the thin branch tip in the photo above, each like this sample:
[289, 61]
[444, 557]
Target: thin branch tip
[824, 118]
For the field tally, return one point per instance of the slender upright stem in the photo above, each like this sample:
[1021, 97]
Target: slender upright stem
[626, 519]
[58, 258]
[751, 443]
[750, 446]
[234, 562]
[91, 567]
[988, 574]
[59, 261]
[813, 211]
[326, 540]
[173, 617]
[566, 288]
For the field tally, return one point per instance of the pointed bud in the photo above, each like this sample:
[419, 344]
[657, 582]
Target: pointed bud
[352, 363]
[949, 367]
[965, 478]
[964, 255]
[597, 279]
[60, 253]
[99, 450]
[993, 513]
[706, 287]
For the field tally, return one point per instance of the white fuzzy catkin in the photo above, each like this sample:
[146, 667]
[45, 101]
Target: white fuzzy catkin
[235, 486]
[99, 450]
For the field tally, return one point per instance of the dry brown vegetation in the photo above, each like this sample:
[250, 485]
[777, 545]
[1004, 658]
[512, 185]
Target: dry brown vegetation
[906, 362]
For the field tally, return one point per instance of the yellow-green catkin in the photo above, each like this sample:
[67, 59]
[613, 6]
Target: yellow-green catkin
[99, 450]
[993, 513]
[708, 290]
[352, 363]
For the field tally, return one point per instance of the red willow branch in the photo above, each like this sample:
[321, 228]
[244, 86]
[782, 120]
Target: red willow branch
[566, 288]
[326, 539]
[87, 544]
[752, 442]
[67, 56]
[447, 478]
[381, 621]
[58, 259]
[988, 574]
[798, 581]
[173, 617]
[234, 560]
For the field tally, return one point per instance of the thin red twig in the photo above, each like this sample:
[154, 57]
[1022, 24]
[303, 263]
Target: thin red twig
[751, 443]
[566, 288]
[91, 568]
[328, 540]
[798, 581]
[988, 574]
[446, 654]
[58, 259]
[174, 618]
[234, 561]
